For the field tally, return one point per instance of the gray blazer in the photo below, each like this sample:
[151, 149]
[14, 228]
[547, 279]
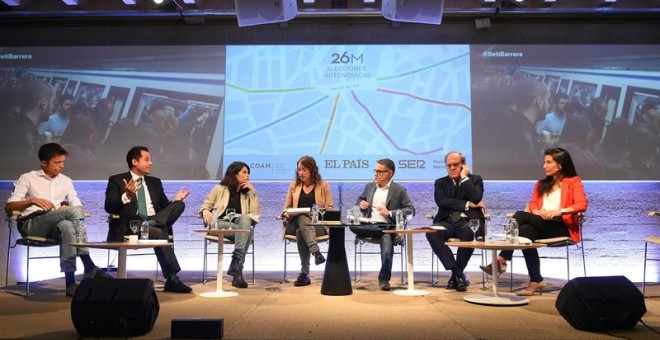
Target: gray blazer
[397, 199]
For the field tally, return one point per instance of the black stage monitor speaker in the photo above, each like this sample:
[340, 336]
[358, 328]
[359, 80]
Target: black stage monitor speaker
[121, 307]
[600, 303]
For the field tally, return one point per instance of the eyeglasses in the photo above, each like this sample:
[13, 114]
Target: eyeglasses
[380, 171]
[454, 165]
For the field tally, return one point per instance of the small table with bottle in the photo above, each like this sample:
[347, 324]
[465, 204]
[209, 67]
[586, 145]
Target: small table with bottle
[122, 248]
[336, 276]
[401, 220]
[220, 233]
[411, 291]
[494, 243]
[495, 298]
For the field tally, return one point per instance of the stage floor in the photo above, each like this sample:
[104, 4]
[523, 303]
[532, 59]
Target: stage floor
[274, 310]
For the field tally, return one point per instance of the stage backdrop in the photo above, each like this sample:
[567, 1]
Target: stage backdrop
[200, 107]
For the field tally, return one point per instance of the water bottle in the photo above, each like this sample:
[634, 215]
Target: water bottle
[315, 214]
[81, 231]
[214, 219]
[400, 220]
[357, 213]
[514, 231]
[350, 215]
[144, 230]
[488, 231]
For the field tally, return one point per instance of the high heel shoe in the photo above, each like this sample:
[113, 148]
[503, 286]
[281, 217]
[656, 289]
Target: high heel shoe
[532, 288]
[501, 268]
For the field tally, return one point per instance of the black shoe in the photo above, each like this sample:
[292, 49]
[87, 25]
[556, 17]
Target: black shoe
[71, 290]
[239, 282]
[302, 280]
[461, 284]
[451, 284]
[318, 258]
[234, 268]
[97, 273]
[174, 285]
[384, 284]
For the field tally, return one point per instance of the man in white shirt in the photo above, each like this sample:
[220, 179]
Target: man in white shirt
[50, 207]
[379, 202]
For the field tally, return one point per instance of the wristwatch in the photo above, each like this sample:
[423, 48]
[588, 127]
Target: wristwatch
[562, 211]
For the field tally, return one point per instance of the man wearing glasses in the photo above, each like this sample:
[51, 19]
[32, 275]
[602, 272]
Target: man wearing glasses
[379, 202]
[458, 196]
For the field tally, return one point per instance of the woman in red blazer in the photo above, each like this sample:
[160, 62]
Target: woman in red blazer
[553, 209]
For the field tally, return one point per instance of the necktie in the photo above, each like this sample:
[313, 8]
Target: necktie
[142, 201]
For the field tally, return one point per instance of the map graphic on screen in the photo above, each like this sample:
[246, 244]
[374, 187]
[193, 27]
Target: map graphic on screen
[347, 106]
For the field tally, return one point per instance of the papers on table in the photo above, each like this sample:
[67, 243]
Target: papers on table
[298, 211]
[364, 220]
[502, 238]
[159, 241]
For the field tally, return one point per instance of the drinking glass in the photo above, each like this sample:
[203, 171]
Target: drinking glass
[135, 226]
[474, 225]
[322, 209]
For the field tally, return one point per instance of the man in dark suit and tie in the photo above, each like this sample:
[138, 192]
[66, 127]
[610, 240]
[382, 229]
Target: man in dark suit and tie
[458, 196]
[135, 196]
[379, 202]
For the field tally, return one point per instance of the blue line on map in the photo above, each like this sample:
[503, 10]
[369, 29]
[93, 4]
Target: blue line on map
[258, 129]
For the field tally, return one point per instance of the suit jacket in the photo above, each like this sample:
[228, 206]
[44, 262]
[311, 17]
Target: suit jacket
[451, 198]
[572, 195]
[397, 199]
[322, 193]
[114, 205]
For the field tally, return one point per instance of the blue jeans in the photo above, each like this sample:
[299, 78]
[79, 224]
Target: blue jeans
[59, 224]
[241, 240]
[386, 247]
